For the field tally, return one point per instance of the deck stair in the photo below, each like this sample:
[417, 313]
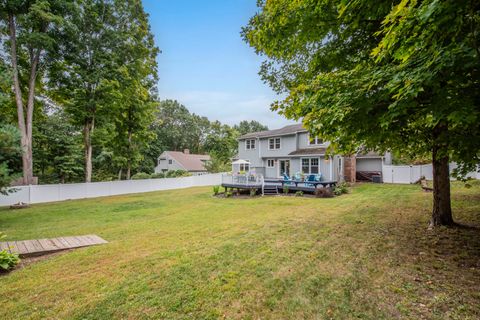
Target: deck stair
[269, 189]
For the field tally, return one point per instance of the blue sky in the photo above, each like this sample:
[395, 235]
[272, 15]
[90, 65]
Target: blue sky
[205, 64]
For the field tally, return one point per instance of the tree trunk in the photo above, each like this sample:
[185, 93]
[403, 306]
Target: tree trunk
[34, 59]
[129, 162]
[442, 211]
[26, 154]
[87, 142]
[120, 174]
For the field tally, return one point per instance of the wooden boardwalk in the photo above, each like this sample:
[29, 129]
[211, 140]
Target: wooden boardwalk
[38, 247]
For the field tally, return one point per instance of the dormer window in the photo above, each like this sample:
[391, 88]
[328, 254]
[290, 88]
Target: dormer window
[250, 144]
[313, 141]
[274, 143]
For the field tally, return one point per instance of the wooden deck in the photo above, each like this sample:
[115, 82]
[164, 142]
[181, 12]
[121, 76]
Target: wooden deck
[38, 247]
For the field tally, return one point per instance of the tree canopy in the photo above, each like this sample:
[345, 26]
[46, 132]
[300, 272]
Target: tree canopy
[384, 75]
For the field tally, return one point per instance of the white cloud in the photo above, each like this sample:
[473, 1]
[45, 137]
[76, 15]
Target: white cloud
[230, 108]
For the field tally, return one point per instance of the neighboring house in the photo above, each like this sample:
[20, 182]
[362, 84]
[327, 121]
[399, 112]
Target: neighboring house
[177, 160]
[291, 149]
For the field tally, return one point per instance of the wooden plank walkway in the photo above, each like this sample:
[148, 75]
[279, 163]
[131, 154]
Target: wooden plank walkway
[38, 247]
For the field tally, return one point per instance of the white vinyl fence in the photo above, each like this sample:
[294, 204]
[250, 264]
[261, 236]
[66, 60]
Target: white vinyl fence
[60, 192]
[411, 174]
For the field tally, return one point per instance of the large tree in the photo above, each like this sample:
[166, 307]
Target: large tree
[246, 126]
[398, 75]
[28, 30]
[136, 75]
[83, 76]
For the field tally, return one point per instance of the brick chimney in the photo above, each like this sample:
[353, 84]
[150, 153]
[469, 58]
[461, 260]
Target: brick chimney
[186, 151]
[350, 168]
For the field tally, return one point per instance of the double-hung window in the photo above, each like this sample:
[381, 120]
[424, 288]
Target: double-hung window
[274, 143]
[314, 141]
[310, 166]
[250, 144]
[244, 167]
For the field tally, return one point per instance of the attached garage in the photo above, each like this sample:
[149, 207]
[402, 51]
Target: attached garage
[369, 164]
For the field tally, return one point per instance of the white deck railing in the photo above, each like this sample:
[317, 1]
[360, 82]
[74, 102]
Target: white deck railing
[243, 179]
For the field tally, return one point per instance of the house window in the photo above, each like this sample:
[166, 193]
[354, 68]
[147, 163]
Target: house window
[270, 163]
[314, 140]
[170, 161]
[310, 166]
[274, 143]
[244, 167]
[250, 144]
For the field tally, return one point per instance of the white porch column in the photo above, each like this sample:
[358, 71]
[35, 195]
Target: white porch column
[331, 168]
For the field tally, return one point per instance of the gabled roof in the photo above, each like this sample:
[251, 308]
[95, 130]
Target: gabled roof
[290, 129]
[191, 162]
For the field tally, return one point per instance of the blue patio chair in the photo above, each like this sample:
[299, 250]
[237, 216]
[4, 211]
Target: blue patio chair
[287, 179]
[310, 178]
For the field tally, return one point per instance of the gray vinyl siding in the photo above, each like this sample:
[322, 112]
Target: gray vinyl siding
[271, 172]
[288, 144]
[295, 166]
[252, 154]
[303, 141]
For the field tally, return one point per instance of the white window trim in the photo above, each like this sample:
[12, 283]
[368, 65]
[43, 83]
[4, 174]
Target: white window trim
[275, 143]
[273, 162]
[316, 140]
[244, 164]
[254, 144]
[310, 165]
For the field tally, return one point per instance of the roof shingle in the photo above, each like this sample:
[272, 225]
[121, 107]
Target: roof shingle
[290, 129]
[191, 162]
[308, 151]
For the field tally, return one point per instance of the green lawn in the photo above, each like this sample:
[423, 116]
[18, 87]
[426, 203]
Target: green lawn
[184, 254]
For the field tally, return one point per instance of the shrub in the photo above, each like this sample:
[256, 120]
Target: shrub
[285, 189]
[253, 192]
[341, 189]
[7, 260]
[157, 175]
[299, 193]
[177, 174]
[228, 194]
[216, 189]
[140, 175]
[324, 193]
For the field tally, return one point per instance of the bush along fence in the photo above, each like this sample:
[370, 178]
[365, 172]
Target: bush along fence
[60, 192]
[411, 174]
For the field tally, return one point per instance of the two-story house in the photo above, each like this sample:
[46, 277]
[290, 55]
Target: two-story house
[292, 150]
